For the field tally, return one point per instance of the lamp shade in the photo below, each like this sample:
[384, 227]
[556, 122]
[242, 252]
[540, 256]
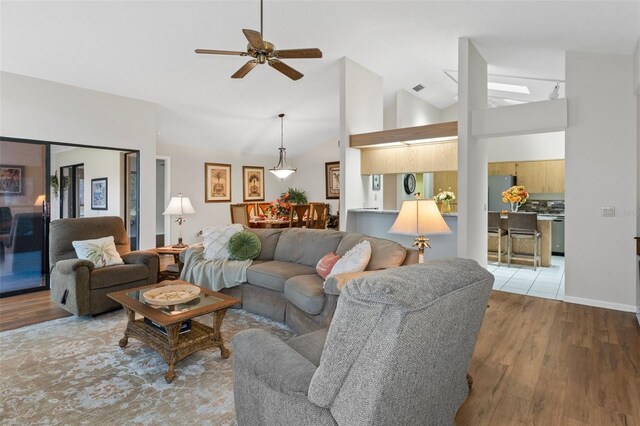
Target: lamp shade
[179, 206]
[419, 217]
[41, 199]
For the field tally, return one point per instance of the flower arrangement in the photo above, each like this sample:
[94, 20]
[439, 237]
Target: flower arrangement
[515, 194]
[280, 207]
[445, 195]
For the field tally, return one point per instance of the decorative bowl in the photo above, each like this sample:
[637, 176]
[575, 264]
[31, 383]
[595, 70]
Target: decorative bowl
[171, 294]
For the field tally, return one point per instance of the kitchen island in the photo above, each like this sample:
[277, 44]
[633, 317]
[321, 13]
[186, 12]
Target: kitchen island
[523, 246]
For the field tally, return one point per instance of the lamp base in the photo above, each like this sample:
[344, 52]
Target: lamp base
[180, 244]
[421, 242]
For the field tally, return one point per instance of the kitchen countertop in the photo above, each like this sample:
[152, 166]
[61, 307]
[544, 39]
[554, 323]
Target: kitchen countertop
[377, 211]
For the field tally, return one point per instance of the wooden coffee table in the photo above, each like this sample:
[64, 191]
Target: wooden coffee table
[174, 346]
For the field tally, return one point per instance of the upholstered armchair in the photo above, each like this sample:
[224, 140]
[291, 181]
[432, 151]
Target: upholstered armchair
[80, 288]
[396, 353]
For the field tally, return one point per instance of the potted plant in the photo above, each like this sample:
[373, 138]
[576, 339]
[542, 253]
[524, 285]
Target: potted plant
[295, 196]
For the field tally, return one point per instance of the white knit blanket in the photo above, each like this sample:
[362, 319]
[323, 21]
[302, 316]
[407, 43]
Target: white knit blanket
[213, 274]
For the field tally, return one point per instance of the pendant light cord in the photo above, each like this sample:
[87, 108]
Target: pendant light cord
[282, 131]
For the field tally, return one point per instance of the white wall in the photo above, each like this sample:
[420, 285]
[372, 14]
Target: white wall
[361, 111]
[413, 111]
[390, 118]
[450, 113]
[31, 108]
[601, 169]
[98, 163]
[636, 74]
[310, 176]
[187, 176]
[539, 146]
[472, 155]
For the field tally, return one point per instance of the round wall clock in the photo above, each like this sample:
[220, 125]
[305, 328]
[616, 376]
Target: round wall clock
[410, 184]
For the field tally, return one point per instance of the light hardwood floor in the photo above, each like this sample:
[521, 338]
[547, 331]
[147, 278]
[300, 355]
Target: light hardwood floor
[537, 361]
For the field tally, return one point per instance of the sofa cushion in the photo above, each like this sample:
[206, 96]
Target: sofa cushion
[326, 264]
[272, 275]
[244, 246]
[306, 292]
[101, 251]
[310, 345]
[216, 240]
[355, 260]
[268, 239]
[306, 246]
[110, 276]
[385, 254]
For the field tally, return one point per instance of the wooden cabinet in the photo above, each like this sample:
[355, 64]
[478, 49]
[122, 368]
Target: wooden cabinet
[445, 180]
[502, 169]
[425, 158]
[536, 176]
[531, 174]
[554, 176]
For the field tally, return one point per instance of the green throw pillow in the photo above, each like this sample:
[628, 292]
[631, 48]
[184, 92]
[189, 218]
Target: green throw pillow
[244, 245]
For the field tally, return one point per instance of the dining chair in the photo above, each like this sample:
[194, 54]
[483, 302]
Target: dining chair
[262, 208]
[317, 215]
[240, 213]
[524, 226]
[299, 216]
[252, 209]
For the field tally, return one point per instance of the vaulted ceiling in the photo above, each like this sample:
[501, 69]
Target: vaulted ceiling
[144, 50]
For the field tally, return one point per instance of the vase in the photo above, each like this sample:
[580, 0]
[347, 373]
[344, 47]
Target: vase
[515, 207]
[445, 207]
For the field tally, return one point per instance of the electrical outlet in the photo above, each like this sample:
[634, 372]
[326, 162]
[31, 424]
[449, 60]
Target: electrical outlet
[608, 211]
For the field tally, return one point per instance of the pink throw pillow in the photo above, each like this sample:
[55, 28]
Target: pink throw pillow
[325, 265]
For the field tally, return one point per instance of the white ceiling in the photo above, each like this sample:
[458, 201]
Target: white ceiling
[144, 50]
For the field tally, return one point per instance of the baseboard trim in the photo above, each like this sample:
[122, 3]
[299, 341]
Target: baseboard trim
[602, 304]
[638, 317]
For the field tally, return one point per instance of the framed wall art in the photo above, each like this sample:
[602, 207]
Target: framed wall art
[217, 183]
[252, 183]
[11, 180]
[332, 179]
[99, 194]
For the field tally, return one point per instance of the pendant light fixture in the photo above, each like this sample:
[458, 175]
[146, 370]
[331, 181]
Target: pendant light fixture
[283, 169]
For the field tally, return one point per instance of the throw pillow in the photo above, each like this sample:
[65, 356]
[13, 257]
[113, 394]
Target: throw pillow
[102, 251]
[355, 260]
[244, 245]
[216, 239]
[326, 264]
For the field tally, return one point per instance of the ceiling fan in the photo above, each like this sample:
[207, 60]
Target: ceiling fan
[263, 52]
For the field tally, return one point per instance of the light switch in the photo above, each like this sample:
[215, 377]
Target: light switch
[608, 211]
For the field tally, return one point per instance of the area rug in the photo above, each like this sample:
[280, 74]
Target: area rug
[71, 371]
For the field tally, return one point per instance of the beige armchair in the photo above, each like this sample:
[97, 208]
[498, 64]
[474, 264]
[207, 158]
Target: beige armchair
[80, 288]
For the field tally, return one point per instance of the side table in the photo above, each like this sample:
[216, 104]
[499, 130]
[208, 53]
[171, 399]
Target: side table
[171, 274]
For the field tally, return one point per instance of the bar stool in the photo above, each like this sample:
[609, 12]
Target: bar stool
[494, 230]
[524, 226]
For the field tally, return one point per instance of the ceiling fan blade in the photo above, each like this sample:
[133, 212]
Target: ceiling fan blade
[254, 38]
[221, 52]
[286, 69]
[244, 70]
[298, 53]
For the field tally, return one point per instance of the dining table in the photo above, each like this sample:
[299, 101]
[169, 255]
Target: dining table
[268, 223]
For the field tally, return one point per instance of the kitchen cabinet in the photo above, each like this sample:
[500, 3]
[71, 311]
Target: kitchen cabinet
[536, 176]
[445, 180]
[531, 174]
[554, 176]
[502, 169]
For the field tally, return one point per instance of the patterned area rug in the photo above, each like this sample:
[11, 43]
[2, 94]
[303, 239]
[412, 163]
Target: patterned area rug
[71, 371]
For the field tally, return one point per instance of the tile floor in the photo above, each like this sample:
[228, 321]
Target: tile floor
[546, 282]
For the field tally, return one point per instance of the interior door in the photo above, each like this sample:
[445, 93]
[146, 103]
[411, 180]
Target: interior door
[24, 214]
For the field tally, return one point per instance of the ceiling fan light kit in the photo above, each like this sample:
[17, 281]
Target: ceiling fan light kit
[283, 169]
[264, 52]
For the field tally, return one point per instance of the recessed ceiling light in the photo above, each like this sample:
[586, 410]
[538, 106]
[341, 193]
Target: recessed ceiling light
[509, 88]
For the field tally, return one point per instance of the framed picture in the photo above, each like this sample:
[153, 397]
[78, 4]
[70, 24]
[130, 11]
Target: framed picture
[375, 182]
[252, 183]
[11, 180]
[99, 194]
[332, 179]
[217, 183]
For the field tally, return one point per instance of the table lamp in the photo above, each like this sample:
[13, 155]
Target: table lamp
[420, 217]
[179, 206]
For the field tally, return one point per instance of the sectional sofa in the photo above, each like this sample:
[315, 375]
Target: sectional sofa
[282, 283]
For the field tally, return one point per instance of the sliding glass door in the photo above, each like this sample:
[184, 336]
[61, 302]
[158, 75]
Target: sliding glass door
[24, 215]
